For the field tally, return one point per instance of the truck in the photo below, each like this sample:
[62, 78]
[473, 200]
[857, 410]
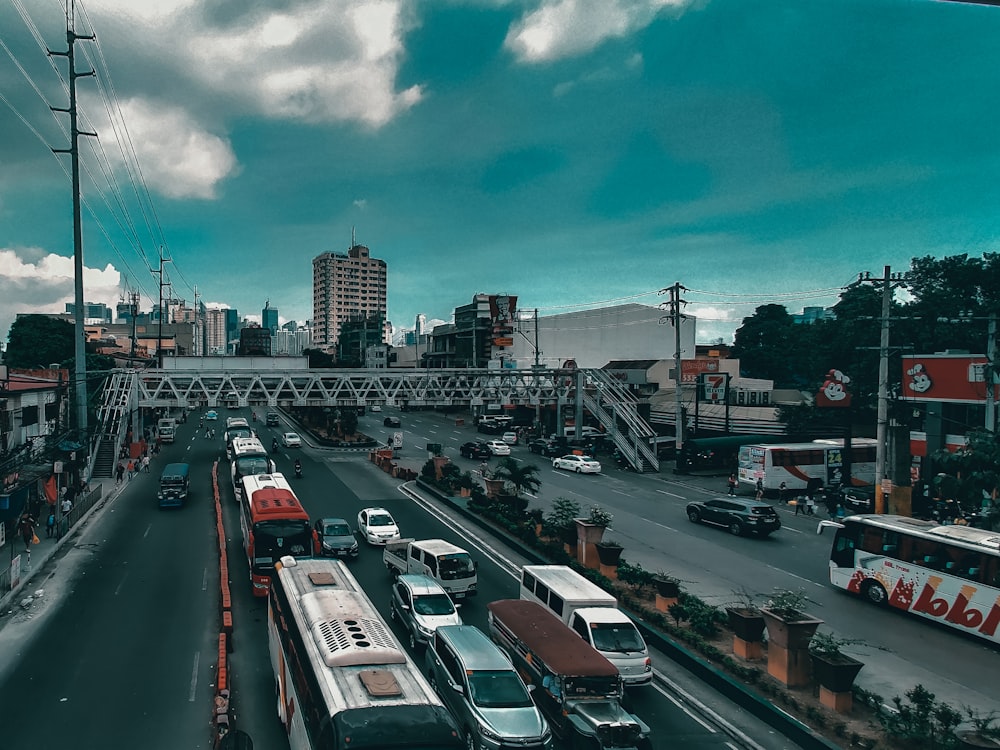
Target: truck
[592, 613]
[446, 563]
[577, 689]
[166, 429]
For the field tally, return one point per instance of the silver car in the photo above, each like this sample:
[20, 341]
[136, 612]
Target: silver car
[484, 692]
[421, 605]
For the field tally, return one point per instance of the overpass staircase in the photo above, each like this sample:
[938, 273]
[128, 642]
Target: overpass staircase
[114, 417]
[617, 410]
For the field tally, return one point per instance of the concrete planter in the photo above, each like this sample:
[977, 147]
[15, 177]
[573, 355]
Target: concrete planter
[609, 554]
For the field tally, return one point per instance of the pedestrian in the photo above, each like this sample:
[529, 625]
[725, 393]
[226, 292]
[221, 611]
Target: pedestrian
[800, 505]
[50, 525]
[27, 528]
[783, 492]
[145, 462]
[131, 469]
[760, 489]
[119, 472]
[66, 506]
[810, 505]
[732, 485]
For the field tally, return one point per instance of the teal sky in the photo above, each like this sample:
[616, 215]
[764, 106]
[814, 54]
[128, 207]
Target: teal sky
[566, 151]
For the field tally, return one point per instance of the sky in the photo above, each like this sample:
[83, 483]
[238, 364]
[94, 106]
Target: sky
[575, 153]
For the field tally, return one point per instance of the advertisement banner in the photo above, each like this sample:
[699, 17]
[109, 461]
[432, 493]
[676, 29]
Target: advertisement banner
[692, 368]
[957, 378]
[715, 387]
[502, 310]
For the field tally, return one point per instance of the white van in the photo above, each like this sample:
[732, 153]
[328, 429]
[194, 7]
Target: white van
[586, 431]
[593, 614]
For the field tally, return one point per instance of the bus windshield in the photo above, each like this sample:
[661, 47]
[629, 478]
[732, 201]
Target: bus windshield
[452, 567]
[249, 465]
[272, 539]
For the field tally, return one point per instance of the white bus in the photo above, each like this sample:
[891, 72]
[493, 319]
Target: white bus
[799, 464]
[949, 574]
[343, 681]
[249, 457]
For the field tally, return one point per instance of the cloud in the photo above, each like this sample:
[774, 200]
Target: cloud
[178, 157]
[569, 28]
[34, 281]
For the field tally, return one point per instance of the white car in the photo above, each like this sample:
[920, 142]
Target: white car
[376, 408]
[579, 464]
[291, 440]
[498, 447]
[510, 438]
[377, 526]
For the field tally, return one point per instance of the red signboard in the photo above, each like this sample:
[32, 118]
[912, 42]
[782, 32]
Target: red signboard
[692, 368]
[958, 378]
[502, 310]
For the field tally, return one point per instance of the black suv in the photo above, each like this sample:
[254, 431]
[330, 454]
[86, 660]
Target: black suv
[271, 418]
[549, 448]
[737, 515]
[858, 499]
[475, 450]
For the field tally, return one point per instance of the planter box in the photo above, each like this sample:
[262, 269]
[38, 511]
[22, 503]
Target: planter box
[746, 624]
[493, 487]
[791, 634]
[835, 673]
[609, 554]
[588, 533]
[668, 589]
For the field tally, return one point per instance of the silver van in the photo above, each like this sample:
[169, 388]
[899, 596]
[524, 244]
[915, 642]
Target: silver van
[421, 605]
[484, 692]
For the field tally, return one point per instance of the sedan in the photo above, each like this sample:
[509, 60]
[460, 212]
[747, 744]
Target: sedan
[334, 538]
[510, 438]
[391, 422]
[291, 440]
[475, 450]
[579, 464]
[377, 526]
[498, 448]
[211, 416]
[376, 408]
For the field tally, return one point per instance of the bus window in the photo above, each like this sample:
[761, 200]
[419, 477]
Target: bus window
[843, 548]
[873, 541]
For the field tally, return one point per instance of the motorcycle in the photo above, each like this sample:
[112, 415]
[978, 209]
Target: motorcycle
[298, 469]
[274, 445]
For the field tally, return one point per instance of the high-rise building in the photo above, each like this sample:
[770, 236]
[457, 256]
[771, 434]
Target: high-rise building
[216, 337]
[269, 318]
[345, 286]
[232, 326]
[94, 313]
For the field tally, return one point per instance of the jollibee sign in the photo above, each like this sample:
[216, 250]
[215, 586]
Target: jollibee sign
[958, 378]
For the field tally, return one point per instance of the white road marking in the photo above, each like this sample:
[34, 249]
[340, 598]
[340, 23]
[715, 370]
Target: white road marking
[122, 583]
[798, 578]
[204, 580]
[194, 677]
[146, 533]
[679, 497]
[661, 525]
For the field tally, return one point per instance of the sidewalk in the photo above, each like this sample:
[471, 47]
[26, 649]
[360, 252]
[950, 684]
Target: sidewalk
[32, 563]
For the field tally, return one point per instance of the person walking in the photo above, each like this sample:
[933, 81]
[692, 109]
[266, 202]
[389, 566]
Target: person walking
[131, 469]
[27, 528]
[119, 472]
[810, 505]
[732, 485]
[800, 505]
[145, 462]
[760, 489]
[783, 492]
[50, 525]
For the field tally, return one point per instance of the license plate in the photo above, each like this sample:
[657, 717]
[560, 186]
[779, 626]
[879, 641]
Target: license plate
[459, 595]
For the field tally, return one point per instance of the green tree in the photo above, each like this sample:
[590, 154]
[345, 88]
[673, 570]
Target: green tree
[318, 359]
[38, 341]
[763, 343]
[517, 476]
[349, 420]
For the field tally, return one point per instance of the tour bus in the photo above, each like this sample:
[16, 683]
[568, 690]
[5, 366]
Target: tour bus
[343, 681]
[249, 457]
[796, 464]
[716, 454]
[949, 574]
[274, 524]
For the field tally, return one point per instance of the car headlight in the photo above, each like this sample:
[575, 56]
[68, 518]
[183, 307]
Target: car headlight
[428, 632]
[489, 733]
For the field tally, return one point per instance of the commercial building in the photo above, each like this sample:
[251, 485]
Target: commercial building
[345, 286]
[216, 333]
[269, 318]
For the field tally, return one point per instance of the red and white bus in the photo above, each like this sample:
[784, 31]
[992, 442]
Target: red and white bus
[274, 524]
[949, 574]
[796, 464]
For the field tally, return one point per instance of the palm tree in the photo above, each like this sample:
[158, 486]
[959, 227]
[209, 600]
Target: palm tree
[517, 477]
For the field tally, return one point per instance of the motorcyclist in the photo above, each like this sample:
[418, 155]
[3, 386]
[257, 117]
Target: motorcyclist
[274, 445]
[298, 468]
[254, 416]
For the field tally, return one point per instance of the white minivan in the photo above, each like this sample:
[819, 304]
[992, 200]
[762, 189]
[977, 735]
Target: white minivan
[593, 614]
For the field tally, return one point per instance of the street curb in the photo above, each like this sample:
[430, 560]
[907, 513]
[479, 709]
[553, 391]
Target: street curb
[760, 707]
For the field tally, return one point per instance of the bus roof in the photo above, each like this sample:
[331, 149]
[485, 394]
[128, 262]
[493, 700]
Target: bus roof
[248, 446]
[731, 440]
[968, 537]
[555, 644]
[271, 497]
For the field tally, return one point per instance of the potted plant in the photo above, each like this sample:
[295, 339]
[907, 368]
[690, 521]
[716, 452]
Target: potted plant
[609, 552]
[745, 618]
[981, 730]
[465, 483]
[667, 585]
[591, 530]
[832, 668]
[787, 625]
[517, 477]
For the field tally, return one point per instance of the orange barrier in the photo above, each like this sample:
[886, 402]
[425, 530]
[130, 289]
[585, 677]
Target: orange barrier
[222, 683]
[222, 677]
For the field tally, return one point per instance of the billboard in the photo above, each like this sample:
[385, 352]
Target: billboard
[502, 311]
[692, 368]
[955, 378]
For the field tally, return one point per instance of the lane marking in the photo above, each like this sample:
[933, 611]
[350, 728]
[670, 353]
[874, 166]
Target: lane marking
[146, 533]
[679, 497]
[194, 677]
[661, 525]
[799, 578]
[122, 583]
[204, 580]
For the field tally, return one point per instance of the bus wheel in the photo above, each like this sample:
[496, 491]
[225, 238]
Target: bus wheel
[874, 592]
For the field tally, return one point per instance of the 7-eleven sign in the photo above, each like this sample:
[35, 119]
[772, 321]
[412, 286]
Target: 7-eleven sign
[714, 386]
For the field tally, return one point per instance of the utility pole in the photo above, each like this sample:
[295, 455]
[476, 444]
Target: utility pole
[674, 317]
[991, 373]
[159, 315]
[888, 282]
[134, 309]
[537, 353]
[79, 344]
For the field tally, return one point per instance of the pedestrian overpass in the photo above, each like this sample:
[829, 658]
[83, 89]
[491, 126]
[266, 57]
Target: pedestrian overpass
[212, 385]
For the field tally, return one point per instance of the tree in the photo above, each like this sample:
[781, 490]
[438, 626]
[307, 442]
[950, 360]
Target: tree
[763, 343]
[349, 420]
[318, 359]
[38, 341]
[516, 476]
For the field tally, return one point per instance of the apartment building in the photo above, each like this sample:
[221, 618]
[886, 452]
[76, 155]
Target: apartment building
[344, 286]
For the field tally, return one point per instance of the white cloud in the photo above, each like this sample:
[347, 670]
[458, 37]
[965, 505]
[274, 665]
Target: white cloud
[34, 281]
[567, 28]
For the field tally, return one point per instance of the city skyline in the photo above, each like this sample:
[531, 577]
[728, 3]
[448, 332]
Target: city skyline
[576, 155]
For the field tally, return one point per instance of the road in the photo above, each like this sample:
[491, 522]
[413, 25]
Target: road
[900, 651]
